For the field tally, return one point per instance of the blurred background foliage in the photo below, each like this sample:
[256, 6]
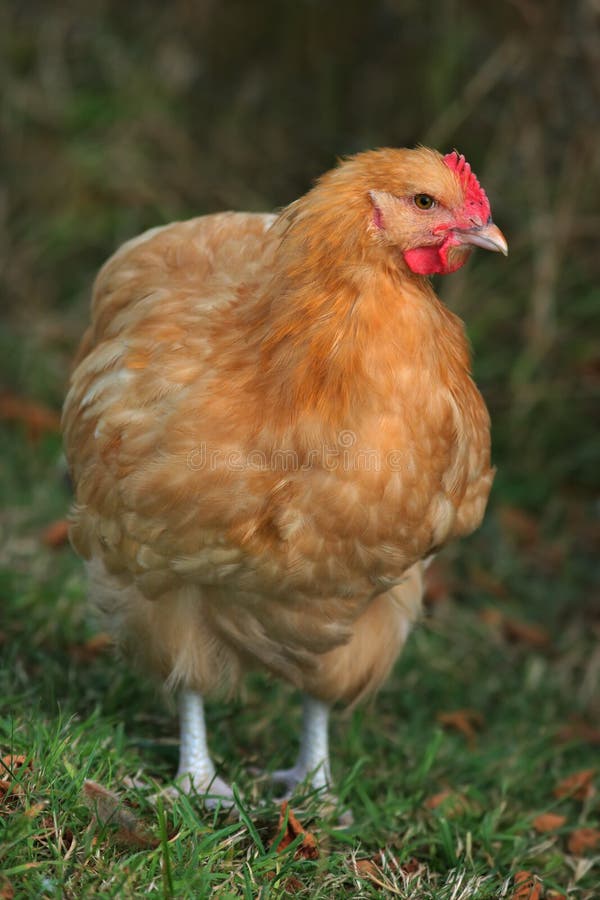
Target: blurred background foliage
[120, 116]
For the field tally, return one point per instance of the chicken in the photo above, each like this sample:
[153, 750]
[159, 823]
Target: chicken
[271, 426]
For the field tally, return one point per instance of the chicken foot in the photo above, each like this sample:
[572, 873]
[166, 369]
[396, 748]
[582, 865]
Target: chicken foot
[196, 770]
[313, 757]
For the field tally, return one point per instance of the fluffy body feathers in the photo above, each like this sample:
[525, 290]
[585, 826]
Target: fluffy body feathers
[271, 424]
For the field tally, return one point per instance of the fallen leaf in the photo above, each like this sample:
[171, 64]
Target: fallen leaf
[36, 419]
[370, 870]
[375, 869]
[291, 885]
[582, 840]
[546, 822]
[66, 838]
[527, 886]
[578, 785]
[411, 866]
[366, 867]
[307, 849]
[579, 730]
[56, 534]
[7, 891]
[10, 765]
[491, 616]
[464, 720]
[453, 802]
[555, 895]
[13, 767]
[12, 762]
[107, 805]
[109, 809]
[92, 648]
[35, 809]
[525, 632]
[436, 800]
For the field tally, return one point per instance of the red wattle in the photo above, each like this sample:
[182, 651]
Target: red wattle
[424, 261]
[434, 260]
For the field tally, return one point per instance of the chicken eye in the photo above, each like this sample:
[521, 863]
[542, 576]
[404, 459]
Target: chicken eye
[424, 201]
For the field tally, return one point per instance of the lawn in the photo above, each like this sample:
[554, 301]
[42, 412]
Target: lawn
[474, 773]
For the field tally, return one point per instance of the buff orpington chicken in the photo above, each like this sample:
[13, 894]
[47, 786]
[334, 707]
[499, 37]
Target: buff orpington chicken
[271, 426]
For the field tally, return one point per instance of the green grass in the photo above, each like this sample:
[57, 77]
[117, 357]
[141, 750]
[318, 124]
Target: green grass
[76, 719]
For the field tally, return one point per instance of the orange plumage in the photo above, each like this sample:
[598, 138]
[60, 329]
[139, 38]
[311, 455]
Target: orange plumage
[271, 424]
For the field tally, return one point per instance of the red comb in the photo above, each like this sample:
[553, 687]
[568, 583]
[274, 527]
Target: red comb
[474, 193]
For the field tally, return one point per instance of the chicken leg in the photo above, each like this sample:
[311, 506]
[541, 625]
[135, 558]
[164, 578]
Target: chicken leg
[196, 770]
[313, 757]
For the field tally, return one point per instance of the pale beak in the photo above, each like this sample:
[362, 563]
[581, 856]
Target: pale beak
[487, 236]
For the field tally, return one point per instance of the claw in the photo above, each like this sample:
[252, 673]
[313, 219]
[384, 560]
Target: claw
[215, 794]
[297, 775]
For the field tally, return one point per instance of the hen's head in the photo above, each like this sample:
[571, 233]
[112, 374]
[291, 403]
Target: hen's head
[433, 209]
[429, 207]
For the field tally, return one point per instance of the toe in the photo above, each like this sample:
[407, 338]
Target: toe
[290, 778]
[214, 792]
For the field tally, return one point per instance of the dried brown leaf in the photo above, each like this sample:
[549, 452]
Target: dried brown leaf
[10, 786]
[374, 869]
[369, 869]
[466, 721]
[92, 648]
[546, 822]
[107, 805]
[525, 633]
[578, 785]
[56, 534]
[291, 885]
[491, 616]
[583, 840]
[12, 762]
[308, 847]
[579, 730]
[35, 809]
[411, 866]
[435, 800]
[66, 838]
[452, 802]
[527, 886]
[7, 891]
[366, 868]
[109, 809]
[36, 419]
